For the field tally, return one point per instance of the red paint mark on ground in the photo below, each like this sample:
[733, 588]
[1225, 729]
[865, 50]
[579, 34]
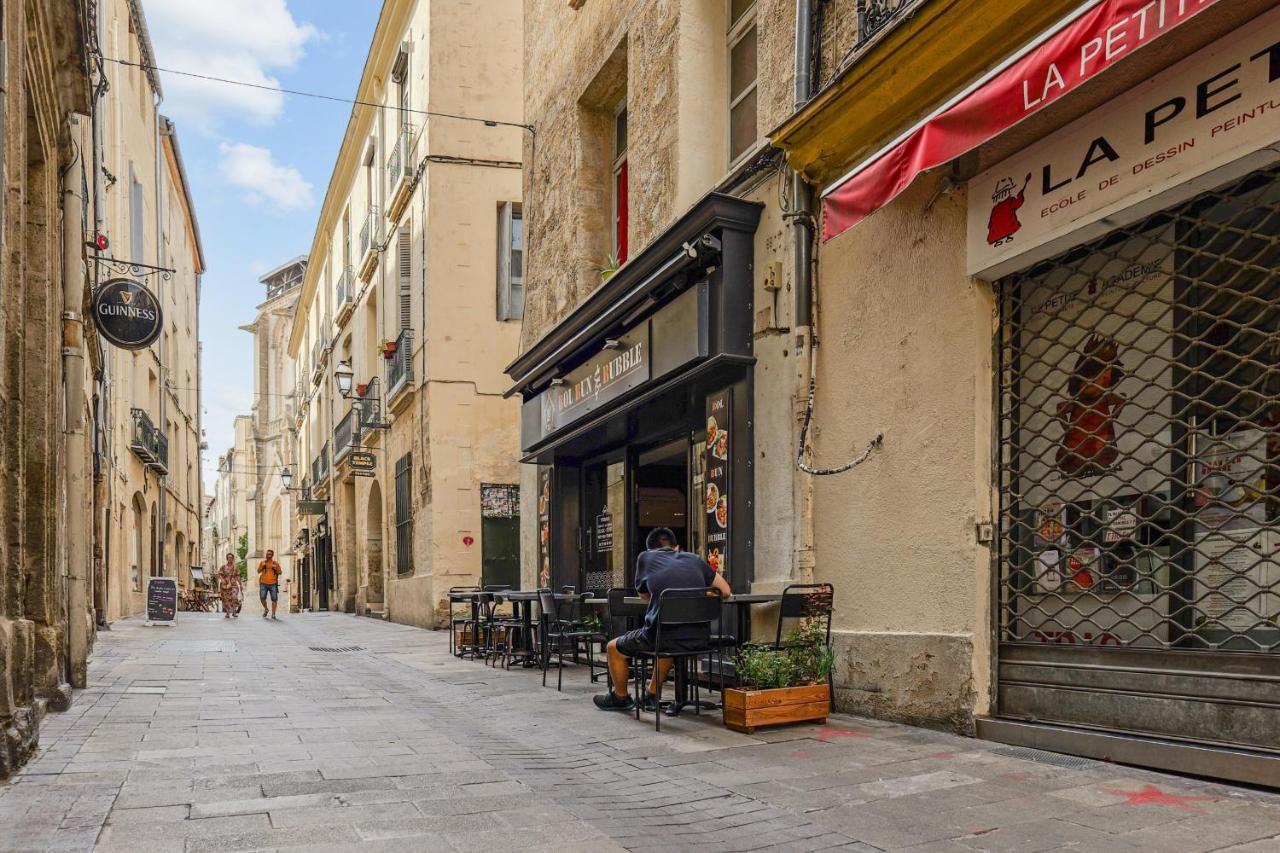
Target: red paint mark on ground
[1150, 795]
[831, 733]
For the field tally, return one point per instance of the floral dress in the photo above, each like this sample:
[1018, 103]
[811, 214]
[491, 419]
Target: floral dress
[229, 588]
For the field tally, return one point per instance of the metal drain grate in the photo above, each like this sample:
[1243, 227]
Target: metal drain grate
[337, 648]
[1072, 762]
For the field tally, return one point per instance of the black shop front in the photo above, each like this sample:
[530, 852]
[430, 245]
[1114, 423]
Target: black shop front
[637, 408]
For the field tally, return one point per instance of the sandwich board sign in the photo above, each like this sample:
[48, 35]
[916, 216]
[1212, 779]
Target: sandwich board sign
[162, 601]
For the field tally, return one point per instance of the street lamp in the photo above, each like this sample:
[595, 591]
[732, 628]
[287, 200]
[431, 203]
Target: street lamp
[286, 477]
[342, 373]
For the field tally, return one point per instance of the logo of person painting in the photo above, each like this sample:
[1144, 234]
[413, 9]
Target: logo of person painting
[1089, 444]
[1004, 222]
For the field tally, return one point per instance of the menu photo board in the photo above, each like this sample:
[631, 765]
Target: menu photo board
[162, 601]
[715, 500]
[544, 526]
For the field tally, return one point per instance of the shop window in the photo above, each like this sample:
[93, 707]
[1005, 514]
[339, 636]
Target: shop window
[510, 262]
[620, 195]
[404, 515]
[1140, 433]
[742, 78]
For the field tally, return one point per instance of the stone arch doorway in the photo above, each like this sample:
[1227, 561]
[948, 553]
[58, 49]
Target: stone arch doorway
[181, 569]
[138, 542]
[373, 546]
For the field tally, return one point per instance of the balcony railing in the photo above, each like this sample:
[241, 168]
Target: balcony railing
[400, 365]
[875, 15]
[318, 352]
[343, 292]
[161, 462]
[370, 238]
[148, 443]
[401, 158]
[346, 435]
[399, 169]
[142, 438]
[320, 467]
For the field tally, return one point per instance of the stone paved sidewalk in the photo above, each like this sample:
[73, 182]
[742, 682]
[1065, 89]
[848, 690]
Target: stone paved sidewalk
[330, 732]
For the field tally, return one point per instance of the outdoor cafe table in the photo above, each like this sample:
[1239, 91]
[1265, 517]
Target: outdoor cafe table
[743, 603]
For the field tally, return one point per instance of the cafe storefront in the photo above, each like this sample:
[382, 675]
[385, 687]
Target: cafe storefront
[637, 408]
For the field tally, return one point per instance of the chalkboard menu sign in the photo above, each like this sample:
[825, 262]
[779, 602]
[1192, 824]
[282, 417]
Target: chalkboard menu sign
[162, 600]
[716, 498]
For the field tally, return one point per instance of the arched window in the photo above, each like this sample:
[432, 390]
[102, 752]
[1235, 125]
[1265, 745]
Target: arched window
[138, 534]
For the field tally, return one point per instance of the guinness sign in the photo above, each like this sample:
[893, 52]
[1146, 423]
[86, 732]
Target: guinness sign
[127, 314]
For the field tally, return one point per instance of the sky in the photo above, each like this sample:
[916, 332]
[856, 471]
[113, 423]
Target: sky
[258, 161]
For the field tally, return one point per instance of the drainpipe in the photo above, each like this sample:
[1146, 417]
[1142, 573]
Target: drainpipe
[162, 130]
[802, 221]
[105, 413]
[73, 378]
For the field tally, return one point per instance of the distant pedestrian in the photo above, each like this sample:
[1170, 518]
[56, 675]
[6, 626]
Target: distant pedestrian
[229, 587]
[269, 583]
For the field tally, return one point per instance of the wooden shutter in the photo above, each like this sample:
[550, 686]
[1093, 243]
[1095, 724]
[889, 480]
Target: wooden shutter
[404, 245]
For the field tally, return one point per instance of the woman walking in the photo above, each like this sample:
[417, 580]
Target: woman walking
[229, 587]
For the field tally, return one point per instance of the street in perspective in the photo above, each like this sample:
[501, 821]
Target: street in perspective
[720, 425]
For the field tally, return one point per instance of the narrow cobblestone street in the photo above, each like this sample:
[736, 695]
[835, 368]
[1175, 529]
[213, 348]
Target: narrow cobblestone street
[332, 732]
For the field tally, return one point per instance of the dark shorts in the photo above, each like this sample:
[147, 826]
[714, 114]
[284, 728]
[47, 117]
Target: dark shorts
[637, 642]
[269, 588]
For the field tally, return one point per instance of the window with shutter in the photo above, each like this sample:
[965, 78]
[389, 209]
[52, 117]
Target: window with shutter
[404, 255]
[510, 262]
[137, 244]
[404, 519]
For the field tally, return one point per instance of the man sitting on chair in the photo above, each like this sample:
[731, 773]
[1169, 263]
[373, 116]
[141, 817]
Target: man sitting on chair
[661, 567]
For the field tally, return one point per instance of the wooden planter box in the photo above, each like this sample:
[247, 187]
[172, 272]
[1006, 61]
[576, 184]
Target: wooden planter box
[463, 638]
[744, 710]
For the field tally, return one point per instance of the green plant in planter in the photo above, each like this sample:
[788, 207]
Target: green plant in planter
[804, 659]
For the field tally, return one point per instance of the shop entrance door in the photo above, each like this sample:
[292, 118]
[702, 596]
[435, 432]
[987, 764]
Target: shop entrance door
[662, 492]
[604, 524]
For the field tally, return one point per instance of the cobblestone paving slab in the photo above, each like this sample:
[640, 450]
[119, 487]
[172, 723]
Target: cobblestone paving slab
[217, 736]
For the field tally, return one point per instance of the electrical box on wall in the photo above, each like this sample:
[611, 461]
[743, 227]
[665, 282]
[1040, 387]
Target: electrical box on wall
[773, 276]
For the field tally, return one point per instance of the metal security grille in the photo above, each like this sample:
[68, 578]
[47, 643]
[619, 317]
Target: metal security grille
[1139, 433]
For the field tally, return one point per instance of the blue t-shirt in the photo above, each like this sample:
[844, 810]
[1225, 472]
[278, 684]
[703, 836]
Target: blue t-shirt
[663, 569]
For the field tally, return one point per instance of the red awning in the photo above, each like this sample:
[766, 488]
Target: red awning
[1086, 43]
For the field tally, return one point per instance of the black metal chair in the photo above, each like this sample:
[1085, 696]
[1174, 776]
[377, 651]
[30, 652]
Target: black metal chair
[558, 631]
[695, 607]
[500, 627]
[801, 601]
[454, 621]
[476, 624]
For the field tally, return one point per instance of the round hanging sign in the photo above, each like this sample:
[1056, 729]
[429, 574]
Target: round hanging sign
[127, 314]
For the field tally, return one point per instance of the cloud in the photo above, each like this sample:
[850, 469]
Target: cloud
[234, 39]
[256, 171]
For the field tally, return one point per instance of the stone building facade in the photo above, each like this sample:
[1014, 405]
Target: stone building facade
[413, 292]
[48, 355]
[270, 501]
[151, 405]
[1035, 549]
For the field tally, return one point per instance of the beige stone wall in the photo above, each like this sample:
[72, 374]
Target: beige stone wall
[459, 346]
[906, 350]
[132, 141]
[44, 457]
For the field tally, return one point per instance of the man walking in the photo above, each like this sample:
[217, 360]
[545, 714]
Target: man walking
[269, 583]
[662, 566]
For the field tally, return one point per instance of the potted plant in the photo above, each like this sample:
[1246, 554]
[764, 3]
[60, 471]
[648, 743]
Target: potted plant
[787, 685]
[362, 389]
[388, 349]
